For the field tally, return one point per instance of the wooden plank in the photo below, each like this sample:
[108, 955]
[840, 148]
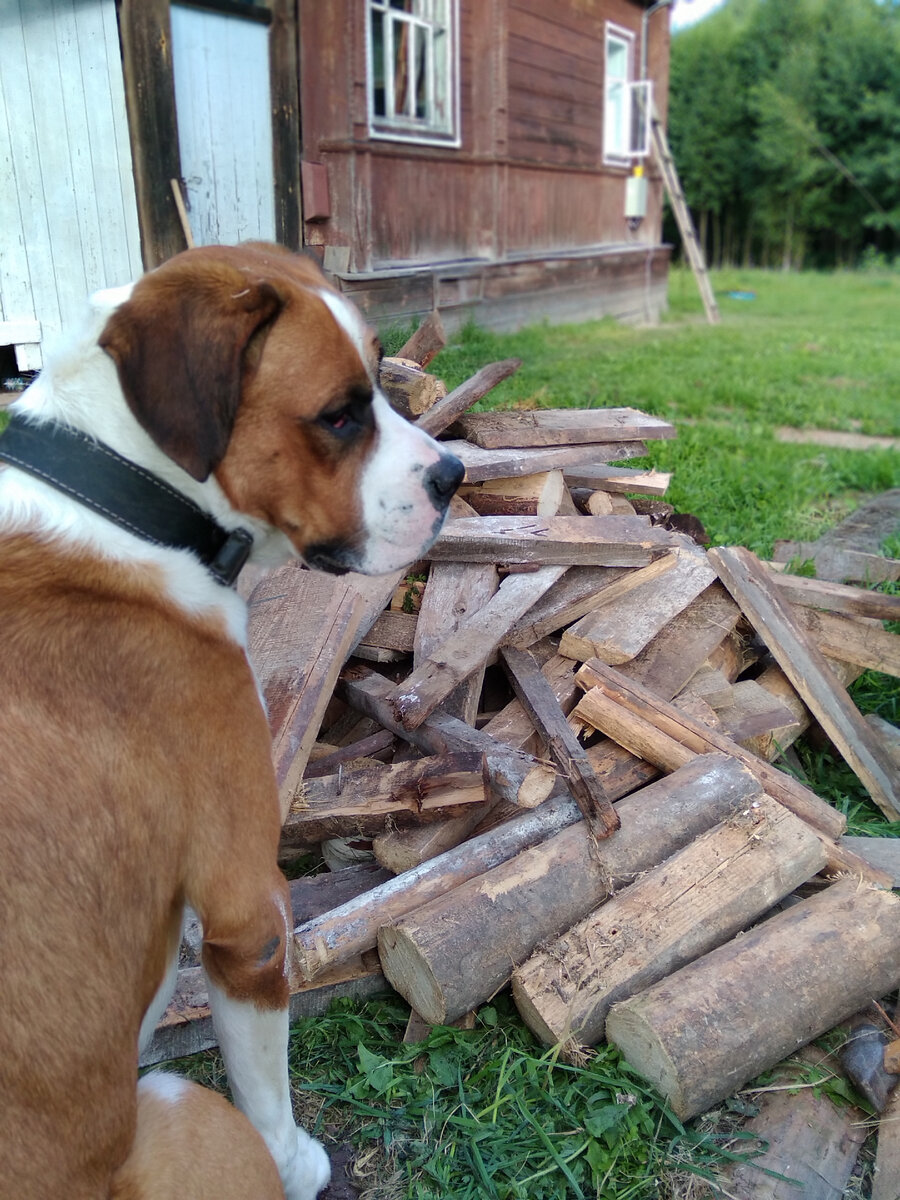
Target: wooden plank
[455, 591]
[573, 596]
[536, 697]
[499, 464]
[881, 852]
[301, 628]
[669, 661]
[469, 647]
[809, 672]
[840, 563]
[605, 478]
[801, 1135]
[564, 541]
[366, 747]
[619, 628]
[886, 1182]
[363, 802]
[835, 597]
[392, 631]
[443, 413]
[754, 712]
[693, 901]
[556, 427]
[690, 735]
[862, 642]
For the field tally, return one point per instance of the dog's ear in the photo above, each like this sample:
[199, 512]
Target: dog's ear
[180, 343]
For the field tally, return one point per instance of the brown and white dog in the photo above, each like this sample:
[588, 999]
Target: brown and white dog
[135, 773]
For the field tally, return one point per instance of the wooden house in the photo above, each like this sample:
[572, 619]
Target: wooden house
[485, 157]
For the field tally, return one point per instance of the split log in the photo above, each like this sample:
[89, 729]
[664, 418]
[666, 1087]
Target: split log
[692, 902]
[452, 954]
[513, 728]
[410, 390]
[702, 1033]
[773, 680]
[808, 1144]
[712, 685]
[809, 672]
[536, 696]
[516, 777]
[618, 629]
[529, 495]
[442, 415]
[859, 641]
[427, 341]
[363, 802]
[338, 935]
[619, 479]
[690, 737]
[552, 541]
[495, 464]
[469, 647]
[558, 427]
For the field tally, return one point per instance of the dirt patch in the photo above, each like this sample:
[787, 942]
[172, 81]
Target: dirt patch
[837, 438]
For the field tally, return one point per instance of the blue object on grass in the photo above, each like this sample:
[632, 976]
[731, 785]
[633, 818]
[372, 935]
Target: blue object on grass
[742, 295]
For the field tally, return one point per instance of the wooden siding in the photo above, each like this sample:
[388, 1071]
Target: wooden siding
[529, 176]
[67, 203]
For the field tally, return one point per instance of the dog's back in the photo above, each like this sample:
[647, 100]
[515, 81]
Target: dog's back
[114, 715]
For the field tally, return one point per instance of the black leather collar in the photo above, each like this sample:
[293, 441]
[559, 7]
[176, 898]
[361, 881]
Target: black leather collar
[134, 499]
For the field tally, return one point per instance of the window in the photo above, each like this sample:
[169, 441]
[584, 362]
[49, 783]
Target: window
[626, 103]
[413, 70]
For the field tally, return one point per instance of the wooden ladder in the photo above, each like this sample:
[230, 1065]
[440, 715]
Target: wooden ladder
[689, 238]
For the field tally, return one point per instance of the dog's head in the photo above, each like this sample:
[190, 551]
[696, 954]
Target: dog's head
[243, 363]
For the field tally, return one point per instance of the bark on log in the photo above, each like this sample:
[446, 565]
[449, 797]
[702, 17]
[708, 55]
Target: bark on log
[702, 1033]
[692, 902]
[452, 954]
[427, 341]
[352, 928]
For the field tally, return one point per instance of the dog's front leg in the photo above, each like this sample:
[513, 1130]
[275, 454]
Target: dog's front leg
[248, 994]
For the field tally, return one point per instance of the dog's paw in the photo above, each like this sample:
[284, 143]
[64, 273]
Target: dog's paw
[306, 1171]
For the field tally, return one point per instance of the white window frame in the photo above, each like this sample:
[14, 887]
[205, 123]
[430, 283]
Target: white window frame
[440, 126]
[620, 146]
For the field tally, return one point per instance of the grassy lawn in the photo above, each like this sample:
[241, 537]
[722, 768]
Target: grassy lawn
[491, 1113]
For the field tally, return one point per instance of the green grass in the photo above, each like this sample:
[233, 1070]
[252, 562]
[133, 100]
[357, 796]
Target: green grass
[810, 351]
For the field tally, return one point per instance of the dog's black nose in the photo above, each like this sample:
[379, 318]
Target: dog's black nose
[442, 480]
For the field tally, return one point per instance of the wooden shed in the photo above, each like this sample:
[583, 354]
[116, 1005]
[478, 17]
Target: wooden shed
[485, 157]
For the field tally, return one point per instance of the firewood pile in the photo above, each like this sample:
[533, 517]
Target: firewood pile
[547, 755]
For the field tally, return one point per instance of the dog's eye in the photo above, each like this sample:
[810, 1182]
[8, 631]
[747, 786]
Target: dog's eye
[350, 418]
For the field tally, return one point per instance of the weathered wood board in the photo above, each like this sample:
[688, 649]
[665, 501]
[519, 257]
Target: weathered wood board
[557, 427]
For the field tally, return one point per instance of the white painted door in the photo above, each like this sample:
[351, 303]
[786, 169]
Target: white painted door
[222, 96]
[68, 213]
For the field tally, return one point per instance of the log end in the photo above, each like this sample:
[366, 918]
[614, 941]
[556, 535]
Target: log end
[628, 1029]
[409, 974]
